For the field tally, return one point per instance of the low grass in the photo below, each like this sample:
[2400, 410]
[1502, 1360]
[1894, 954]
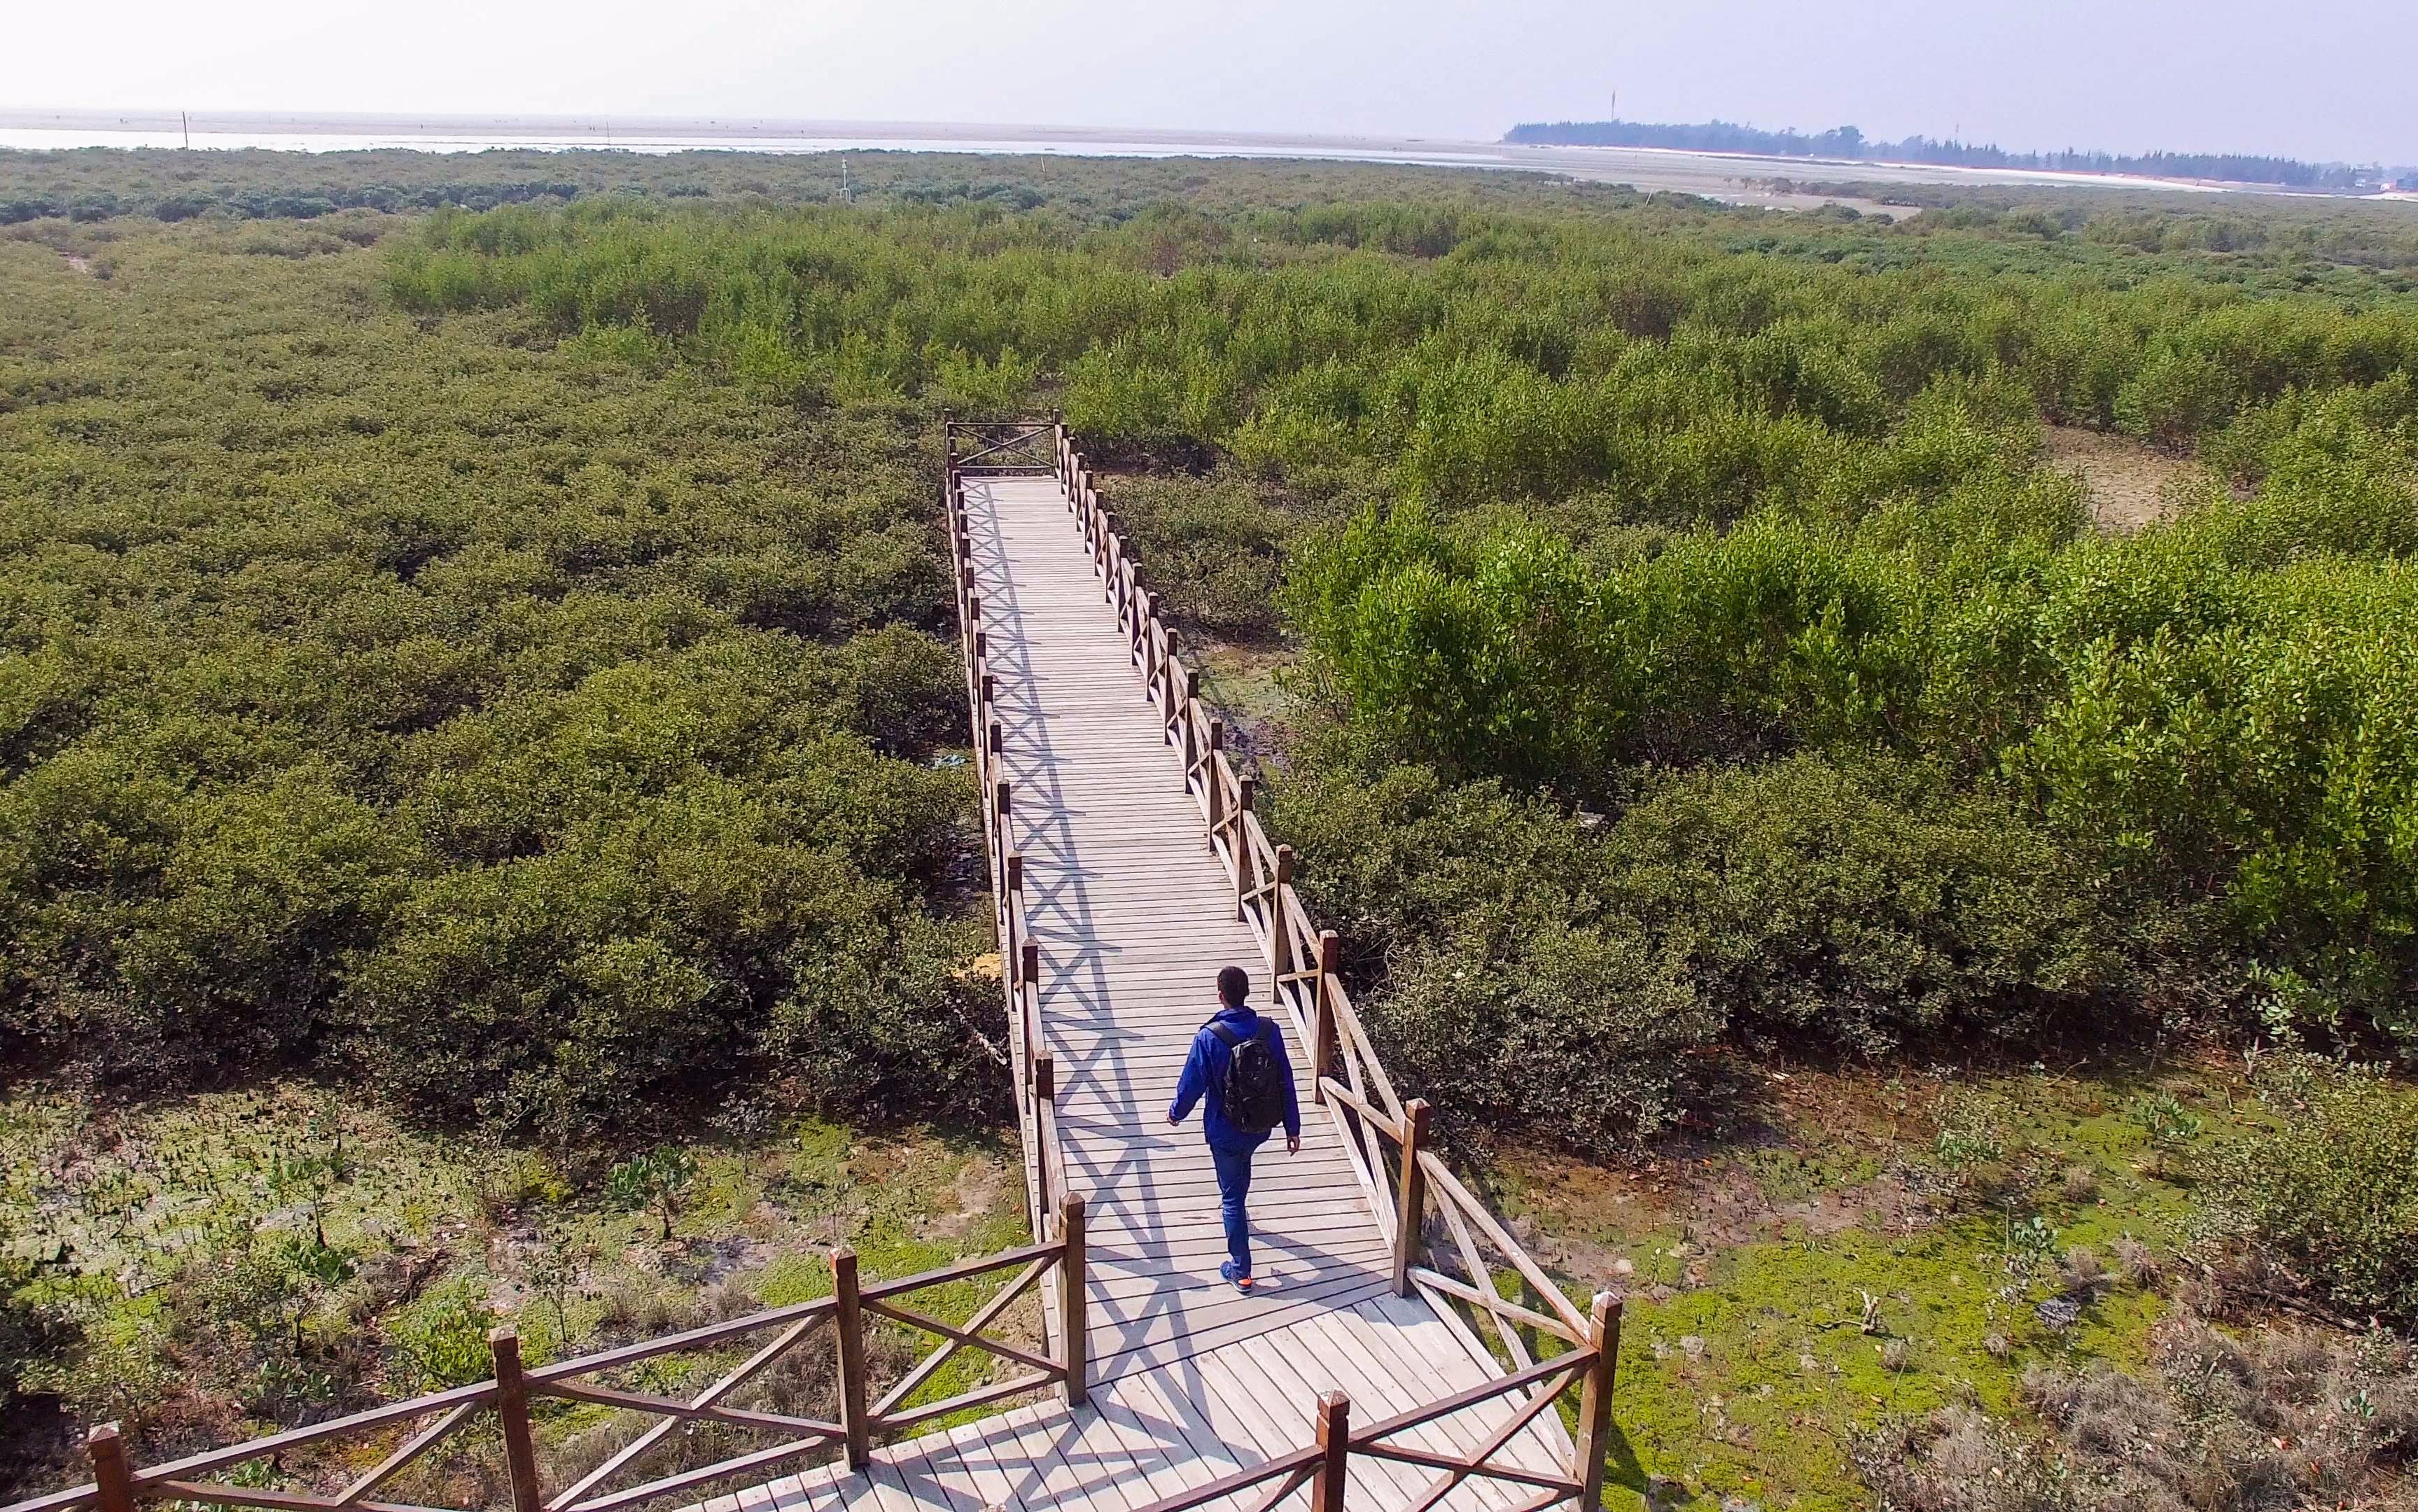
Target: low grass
[132, 1217]
[1875, 1248]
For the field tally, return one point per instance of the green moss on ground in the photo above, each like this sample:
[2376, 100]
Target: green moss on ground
[1882, 1248]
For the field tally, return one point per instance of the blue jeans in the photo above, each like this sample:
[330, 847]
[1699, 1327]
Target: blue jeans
[1234, 1187]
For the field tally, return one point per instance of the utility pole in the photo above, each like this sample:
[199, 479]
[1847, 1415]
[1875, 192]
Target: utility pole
[187, 117]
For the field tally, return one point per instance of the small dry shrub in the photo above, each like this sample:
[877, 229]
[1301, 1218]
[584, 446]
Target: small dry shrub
[2136, 1263]
[2082, 1275]
[2279, 1418]
[1960, 1460]
[638, 1304]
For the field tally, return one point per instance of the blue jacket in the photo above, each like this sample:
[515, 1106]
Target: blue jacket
[1206, 1069]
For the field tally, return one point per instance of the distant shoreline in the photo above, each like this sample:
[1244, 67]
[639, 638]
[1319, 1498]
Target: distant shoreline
[1740, 178]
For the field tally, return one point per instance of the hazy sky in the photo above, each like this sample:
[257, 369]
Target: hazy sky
[2314, 78]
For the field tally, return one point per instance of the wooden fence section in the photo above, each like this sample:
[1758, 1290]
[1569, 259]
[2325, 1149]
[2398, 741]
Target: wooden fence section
[1326, 1463]
[862, 1419]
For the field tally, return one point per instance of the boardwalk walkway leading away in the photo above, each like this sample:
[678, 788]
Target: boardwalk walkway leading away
[1130, 869]
[1380, 1365]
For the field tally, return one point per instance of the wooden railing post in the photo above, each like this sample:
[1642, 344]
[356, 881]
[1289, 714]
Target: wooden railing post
[1280, 950]
[511, 1411]
[1239, 834]
[1029, 965]
[1186, 728]
[112, 1476]
[1334, 1452]
[848, 1322]
[1211, 782]
[1322, 1038]
[1044, 1089]
[1412, 1194]
[1595, 1396]
[1072, 1320]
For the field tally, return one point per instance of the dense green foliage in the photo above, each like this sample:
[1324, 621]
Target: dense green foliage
[2370, 234]
[90, 185]
[1729, 529]
[493, 658]
[1743, 539]
[543, 735]
[1484, 356]
[1534, 964]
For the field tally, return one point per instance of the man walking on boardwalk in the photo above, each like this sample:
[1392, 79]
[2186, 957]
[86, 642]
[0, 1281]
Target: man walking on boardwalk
[1238, 1063]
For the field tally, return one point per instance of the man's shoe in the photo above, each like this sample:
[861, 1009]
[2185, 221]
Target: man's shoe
[1226, 1269]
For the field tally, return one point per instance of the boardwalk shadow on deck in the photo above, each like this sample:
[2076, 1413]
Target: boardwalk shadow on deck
[1132, 913]
[1105, 1061]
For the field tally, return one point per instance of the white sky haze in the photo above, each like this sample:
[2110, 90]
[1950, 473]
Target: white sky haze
[2321, 79]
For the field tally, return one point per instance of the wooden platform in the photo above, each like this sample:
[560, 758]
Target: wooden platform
[1134, 916]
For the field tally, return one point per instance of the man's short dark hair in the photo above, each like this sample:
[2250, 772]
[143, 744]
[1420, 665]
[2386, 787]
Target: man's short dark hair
[1233, 986]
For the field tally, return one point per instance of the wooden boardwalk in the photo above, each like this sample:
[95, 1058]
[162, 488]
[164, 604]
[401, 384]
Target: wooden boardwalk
[1132, 913]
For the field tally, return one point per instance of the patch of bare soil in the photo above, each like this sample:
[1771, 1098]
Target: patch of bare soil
[1240, 683]
[1601, 1224]
[2131, 484]
[977, 1190]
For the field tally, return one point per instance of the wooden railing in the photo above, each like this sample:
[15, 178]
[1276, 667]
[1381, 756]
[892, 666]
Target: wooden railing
[862, 1419]
[1446, 1245]
[992, 449]
[1323, 1464]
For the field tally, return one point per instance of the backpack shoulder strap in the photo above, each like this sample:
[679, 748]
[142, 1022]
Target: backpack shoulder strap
[1229, 1041]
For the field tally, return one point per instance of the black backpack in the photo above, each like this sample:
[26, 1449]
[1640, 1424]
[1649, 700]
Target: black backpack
[1253, 1096]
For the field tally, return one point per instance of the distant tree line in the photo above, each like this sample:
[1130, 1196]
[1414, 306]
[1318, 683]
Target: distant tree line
[1704, 136]
[1848, 142]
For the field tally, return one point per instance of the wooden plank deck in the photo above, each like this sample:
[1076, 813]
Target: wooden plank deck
[1134, 915]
